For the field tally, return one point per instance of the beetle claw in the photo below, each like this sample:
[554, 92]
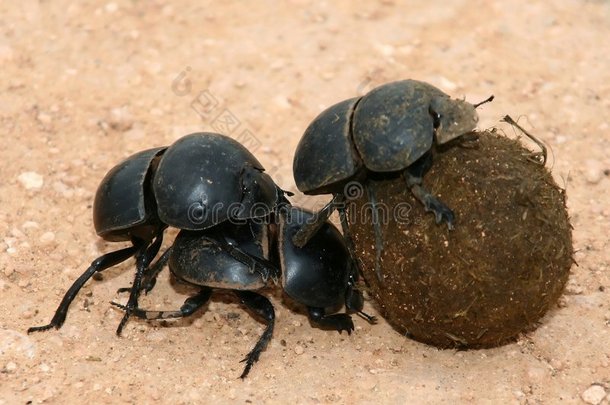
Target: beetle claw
[441, 211]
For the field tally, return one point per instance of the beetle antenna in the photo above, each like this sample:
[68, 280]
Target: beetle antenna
[487, 100]
[543, 154]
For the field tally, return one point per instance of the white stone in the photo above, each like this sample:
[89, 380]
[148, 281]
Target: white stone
[31, 180]
[594, 394]
[120, 119]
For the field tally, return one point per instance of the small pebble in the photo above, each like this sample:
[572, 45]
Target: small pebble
[559, 139]
[594, 394]
[43, 118]
[47, 238]
[111, 7]
[30, 225]
[31, 180]
[594, 171]
[281, 101]
[10, 367]
[557, 364]
[63, 189]
[8, 271]
[385, 49]
[120, 119]
[232, 394]
[447, 84]
[298, 349]
[16, 344]
[44, 367]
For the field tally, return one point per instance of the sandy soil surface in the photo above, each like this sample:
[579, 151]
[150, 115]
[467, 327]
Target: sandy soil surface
[85, 84]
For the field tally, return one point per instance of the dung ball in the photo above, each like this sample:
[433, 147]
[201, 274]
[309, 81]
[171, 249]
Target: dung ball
[495, 274]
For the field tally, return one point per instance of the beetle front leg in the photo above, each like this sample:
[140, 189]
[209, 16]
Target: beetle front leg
[306, 232]
[414, 177]
[338, 322]
[254, 263]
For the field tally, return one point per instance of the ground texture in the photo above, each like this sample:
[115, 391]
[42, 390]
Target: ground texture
[85, 84]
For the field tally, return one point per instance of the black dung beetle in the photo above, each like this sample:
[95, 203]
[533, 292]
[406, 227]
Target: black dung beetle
[320, 275]
[391, 129]
[201, 180]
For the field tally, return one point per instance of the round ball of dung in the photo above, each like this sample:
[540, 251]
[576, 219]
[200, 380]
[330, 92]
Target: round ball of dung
[495, 274]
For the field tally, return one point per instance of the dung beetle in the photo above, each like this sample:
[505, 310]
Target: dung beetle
[391, 129]
[319, 276]
[201, 180]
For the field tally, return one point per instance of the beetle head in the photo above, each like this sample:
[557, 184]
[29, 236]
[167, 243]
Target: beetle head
[452, 118]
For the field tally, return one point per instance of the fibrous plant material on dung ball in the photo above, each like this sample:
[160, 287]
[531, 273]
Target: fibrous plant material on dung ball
[493, 276]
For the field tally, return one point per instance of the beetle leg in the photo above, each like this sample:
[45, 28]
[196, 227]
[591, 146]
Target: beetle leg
[354, 302]
[149, 278]
[370, 190]
[338, 322]
[414, 177]
[264, 267]
[143, 260]
[261, 306]
[304, 234]
[100, 264]
[191, 304]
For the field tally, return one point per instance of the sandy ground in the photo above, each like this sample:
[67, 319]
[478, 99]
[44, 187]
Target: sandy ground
[85, 84]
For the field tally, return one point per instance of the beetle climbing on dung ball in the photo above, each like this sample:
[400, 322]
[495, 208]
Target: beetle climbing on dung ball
[391, 129]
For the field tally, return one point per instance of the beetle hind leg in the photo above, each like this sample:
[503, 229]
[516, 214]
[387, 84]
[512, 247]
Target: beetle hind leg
[338, 322]
[414, 177]
[262, 307]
